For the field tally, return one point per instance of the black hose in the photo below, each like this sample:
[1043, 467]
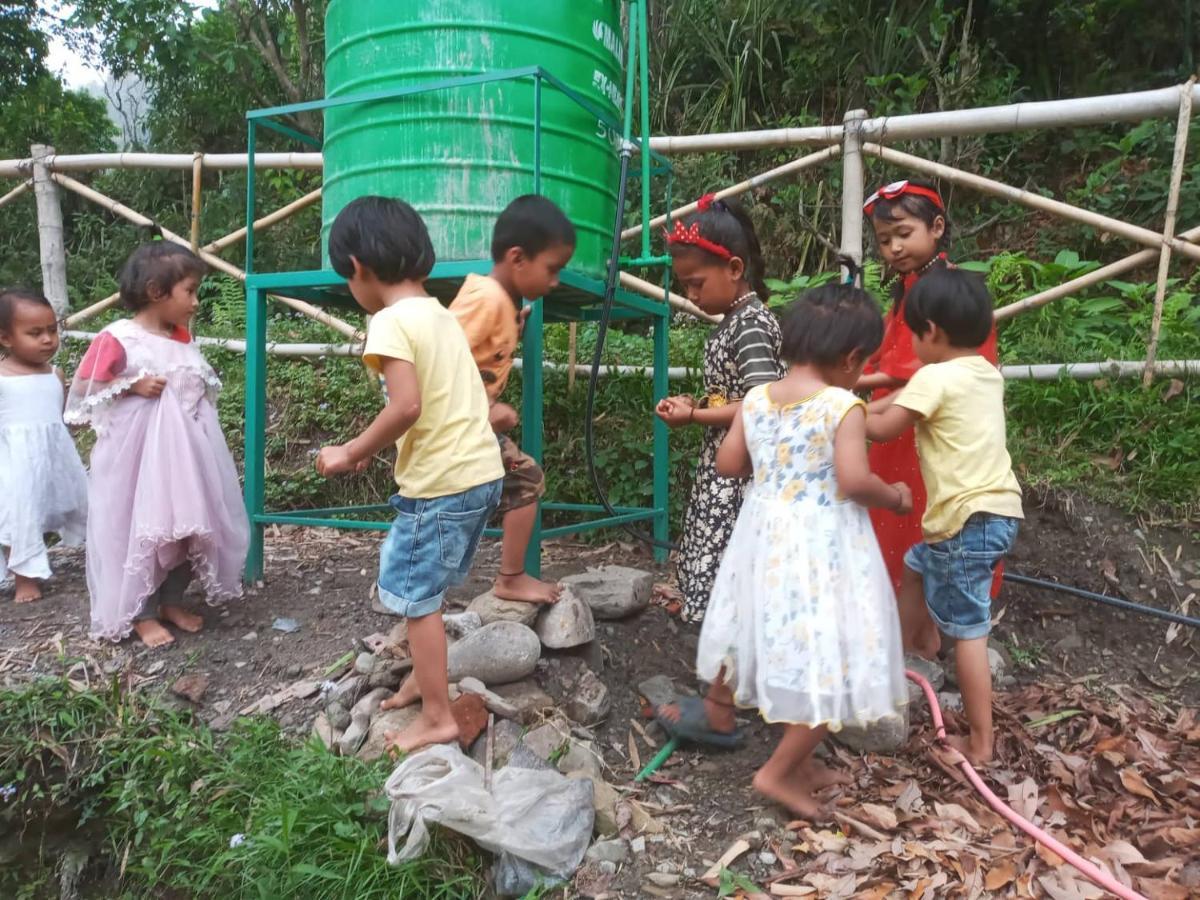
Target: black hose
[610, 292]
[1104, 598]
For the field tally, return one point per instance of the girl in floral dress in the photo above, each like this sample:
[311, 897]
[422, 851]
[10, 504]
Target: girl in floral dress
[716, 257]
[802, 624]
[163, 490]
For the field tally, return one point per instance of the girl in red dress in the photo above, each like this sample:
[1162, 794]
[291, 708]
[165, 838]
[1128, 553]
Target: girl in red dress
[912, 230]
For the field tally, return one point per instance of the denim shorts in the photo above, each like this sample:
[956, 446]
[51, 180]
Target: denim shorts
[957, 574]
[430, 547]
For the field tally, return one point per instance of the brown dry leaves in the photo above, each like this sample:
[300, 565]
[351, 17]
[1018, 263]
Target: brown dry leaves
[1119, 784]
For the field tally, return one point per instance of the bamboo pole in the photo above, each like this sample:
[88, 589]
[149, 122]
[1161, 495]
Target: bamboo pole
[86, 162]
[852, 186]
[213, 261]
[266, 221]
[1164, 257]
[1035, 201]
[94, 310]
[655, 292]
[16, 192]
[51, 247]
[742, 187]
[197, 185]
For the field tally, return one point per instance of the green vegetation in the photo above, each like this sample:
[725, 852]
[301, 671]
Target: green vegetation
[168, 808]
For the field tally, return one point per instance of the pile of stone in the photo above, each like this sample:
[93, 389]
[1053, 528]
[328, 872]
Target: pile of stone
[496, 649]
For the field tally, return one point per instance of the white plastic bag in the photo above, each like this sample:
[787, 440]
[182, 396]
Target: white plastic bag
[524, 814]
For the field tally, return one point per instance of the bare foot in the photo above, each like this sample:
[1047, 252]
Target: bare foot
[408, 694]
[820, 776]
[181, 618]
[526, 589]
[791, 795]
[976, 755]
[27, 589]
[421, 733]
[152, 633]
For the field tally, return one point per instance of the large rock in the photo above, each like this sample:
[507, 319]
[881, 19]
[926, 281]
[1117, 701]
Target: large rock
[929, 670]
[567, 623]
[881, 736]
[581, 756]
[505, 737]
[548, 741]
[337, 715]
[327, 734]
[391, 720]
[604, 803]
[459, 625]
[388, 673]
[348, 691]
[491, 608]
[589, 702]
[360, 720]
[613, 851]
[613, 592]
[495, 654]
[530, 701]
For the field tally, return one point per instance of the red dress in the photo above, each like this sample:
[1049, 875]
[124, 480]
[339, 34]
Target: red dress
[896, 460]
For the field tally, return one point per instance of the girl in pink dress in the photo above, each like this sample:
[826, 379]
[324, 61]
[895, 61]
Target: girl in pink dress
[163, 490]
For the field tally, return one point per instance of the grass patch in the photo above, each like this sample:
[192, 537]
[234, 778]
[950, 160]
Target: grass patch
[174, 809]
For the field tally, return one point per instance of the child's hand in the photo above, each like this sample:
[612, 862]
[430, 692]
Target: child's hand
[151, 386]
[675, 411]
[503, 418]
[522, 317]
[906, 502]
[336, 459]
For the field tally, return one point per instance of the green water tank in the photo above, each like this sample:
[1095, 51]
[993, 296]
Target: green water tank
[459, 155]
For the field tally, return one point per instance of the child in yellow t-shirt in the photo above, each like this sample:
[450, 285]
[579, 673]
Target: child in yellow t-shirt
[531, 243]
[448, 472]
[955, 401]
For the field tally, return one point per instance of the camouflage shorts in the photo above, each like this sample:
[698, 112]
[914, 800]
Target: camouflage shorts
[524, 482]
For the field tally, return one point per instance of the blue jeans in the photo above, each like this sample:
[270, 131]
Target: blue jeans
[957, 574]
[430, 547]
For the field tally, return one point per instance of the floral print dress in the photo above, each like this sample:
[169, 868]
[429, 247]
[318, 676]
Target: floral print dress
[742, 352]
[803, 616]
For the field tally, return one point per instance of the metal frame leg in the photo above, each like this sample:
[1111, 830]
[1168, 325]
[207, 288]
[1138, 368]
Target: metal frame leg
[532, 435]
[256, 425]
[662, 460]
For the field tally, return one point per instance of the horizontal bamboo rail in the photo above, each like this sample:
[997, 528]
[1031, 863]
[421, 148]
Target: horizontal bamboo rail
[87, 162]
[23, 187]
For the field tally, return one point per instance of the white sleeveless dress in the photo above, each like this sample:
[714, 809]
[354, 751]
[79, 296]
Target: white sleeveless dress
[802, 614]
[43, 485]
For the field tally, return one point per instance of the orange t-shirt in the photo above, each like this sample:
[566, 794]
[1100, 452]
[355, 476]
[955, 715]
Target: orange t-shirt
[488, 315]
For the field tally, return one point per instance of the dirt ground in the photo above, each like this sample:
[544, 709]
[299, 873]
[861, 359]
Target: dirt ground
[1057, 646]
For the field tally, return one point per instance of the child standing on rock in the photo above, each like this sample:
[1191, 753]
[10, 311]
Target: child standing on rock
[716, 257]
[448, 471]
[955, 402]
[43, 485]
[802, 623]
[164, 498]
[531, 243]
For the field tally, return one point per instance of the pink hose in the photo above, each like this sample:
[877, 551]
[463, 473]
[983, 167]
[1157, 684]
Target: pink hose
[1093, 872]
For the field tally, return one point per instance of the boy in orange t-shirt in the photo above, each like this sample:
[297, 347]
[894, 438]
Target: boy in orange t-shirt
[532, 241]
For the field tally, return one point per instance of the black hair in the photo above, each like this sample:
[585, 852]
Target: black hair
[532, 223]
[920, 208]
[727, 223]
[385, 235]
[11, 296]
[955, 301]
[829, 322]
[157, 266]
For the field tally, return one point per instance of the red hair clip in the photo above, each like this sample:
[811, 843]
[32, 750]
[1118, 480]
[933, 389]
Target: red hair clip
[704, 204]
[690, 236]
[899, 189]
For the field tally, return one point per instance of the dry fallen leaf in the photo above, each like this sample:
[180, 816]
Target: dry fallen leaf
[880, 816]
[952, 812]
[1023, 797]
[1136, 784]
[1173, 389]
[999, 876]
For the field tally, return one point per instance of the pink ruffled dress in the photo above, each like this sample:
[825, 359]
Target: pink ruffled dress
[163, 488]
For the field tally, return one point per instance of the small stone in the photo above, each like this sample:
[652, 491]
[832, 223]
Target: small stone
[347, 692]
[567, 623]
[613, 851]
[250, 636]
[950, 700]
[767, 858]
[459, 625]
[581, 756]
[530, 701]
[505, 737]
[547, 741]
[295, 670]
[927, 669]
[191, 687]
[491, 608]
[689, 872]
[997, 662]
[589, 702]
[663, 880]
[753, 838]
[388, 673]
[286, 625]
[658, 691]
[494, 702]
[613, 592]
[638, 844]
[524, 758]
[324, 730]
[368, 703]
[395, 644]
[881, 736]
[353, 736]
[471, 716]
[667, 868]
[604, 803]
[766, 823]
[375, 745]
[497, 653]
[364, 663]
[1072, 641]
[337, 715]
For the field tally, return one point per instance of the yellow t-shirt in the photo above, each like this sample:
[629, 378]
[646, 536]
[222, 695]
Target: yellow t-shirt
[488, 316]
[961, 444]
[451, 447]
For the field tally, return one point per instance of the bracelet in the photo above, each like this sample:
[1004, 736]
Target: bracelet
[691, 414]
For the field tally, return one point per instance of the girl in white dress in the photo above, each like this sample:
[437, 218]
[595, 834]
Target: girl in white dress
[802, 623]
[43, 485]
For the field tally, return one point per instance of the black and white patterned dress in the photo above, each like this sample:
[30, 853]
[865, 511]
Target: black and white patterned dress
[741, 353]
